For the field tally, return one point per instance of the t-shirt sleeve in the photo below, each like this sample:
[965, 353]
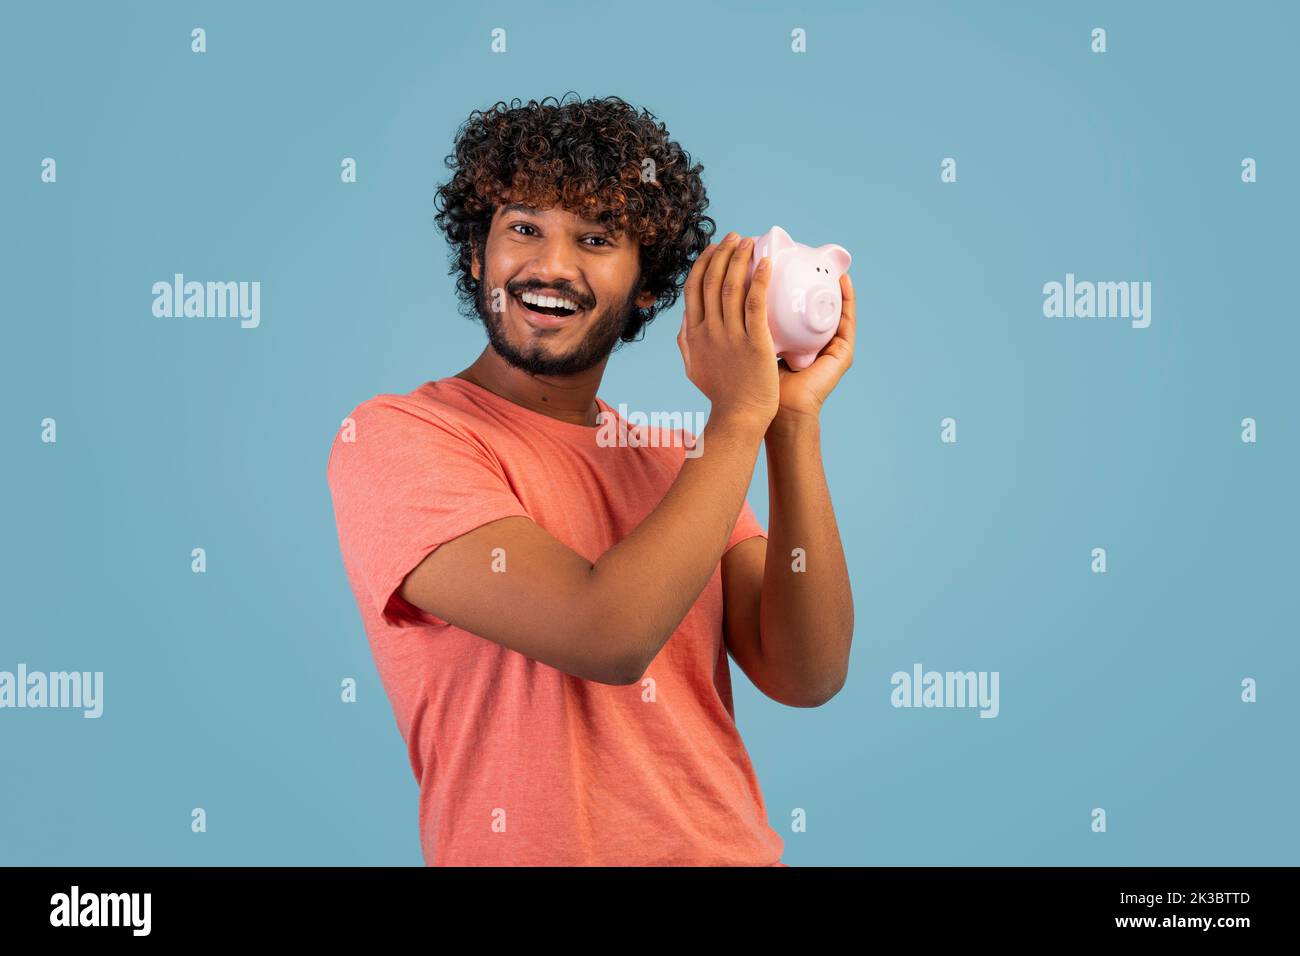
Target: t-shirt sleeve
[747, 526]
[403, 482]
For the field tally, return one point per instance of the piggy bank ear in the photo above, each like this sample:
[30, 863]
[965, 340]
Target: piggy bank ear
[772, 242]
[839, 257]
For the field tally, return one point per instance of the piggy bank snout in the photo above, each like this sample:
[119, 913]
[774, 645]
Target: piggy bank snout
[823, 310]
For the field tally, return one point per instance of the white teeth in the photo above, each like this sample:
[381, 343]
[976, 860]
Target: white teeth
[549, 301]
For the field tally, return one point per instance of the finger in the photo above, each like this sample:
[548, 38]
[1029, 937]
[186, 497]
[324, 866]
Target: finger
[756, 301]
[733, 286]
[849, 311]
[840, 347]
[694, 292]
[714, 277]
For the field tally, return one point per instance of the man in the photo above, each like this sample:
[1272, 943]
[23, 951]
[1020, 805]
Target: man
[551, 614]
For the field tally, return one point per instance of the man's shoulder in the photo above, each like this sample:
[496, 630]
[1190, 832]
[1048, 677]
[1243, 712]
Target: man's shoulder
[429, 412]
[435, 401]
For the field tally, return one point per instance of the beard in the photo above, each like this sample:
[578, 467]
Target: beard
[536, 357]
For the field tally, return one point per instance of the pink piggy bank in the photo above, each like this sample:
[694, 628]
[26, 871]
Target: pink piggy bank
[803, 295]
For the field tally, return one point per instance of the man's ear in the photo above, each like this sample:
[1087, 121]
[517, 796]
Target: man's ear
[473, 261]
[646, 299]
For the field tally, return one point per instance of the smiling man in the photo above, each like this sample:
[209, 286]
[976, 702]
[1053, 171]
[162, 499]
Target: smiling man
[551, 617]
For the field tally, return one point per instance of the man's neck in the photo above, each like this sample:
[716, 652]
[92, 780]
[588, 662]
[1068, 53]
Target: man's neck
[566, 398]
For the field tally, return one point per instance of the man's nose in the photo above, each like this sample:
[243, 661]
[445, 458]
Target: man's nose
[554, 269]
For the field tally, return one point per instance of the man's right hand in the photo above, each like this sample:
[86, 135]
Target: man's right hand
[724, 339]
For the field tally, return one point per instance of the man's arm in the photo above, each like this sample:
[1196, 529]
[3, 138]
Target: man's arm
[604, 621]
[789, 624]
[788, 620]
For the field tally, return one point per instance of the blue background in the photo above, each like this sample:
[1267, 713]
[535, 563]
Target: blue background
[1118, 690]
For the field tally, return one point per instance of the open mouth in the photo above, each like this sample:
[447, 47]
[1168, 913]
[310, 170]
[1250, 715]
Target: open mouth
[558, 310]
[551, 309]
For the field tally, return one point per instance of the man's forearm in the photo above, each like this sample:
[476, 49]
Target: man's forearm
[656, 573]
[806, 612]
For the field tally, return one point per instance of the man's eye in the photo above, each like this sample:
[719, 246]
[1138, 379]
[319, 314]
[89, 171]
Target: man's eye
[531, 229]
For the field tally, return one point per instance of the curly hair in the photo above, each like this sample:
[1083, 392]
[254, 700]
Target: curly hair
[590, 158]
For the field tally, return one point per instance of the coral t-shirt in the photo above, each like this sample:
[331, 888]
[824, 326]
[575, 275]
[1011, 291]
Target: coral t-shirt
[519, 763]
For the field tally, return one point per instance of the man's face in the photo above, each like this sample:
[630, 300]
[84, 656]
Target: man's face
[556, 254]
